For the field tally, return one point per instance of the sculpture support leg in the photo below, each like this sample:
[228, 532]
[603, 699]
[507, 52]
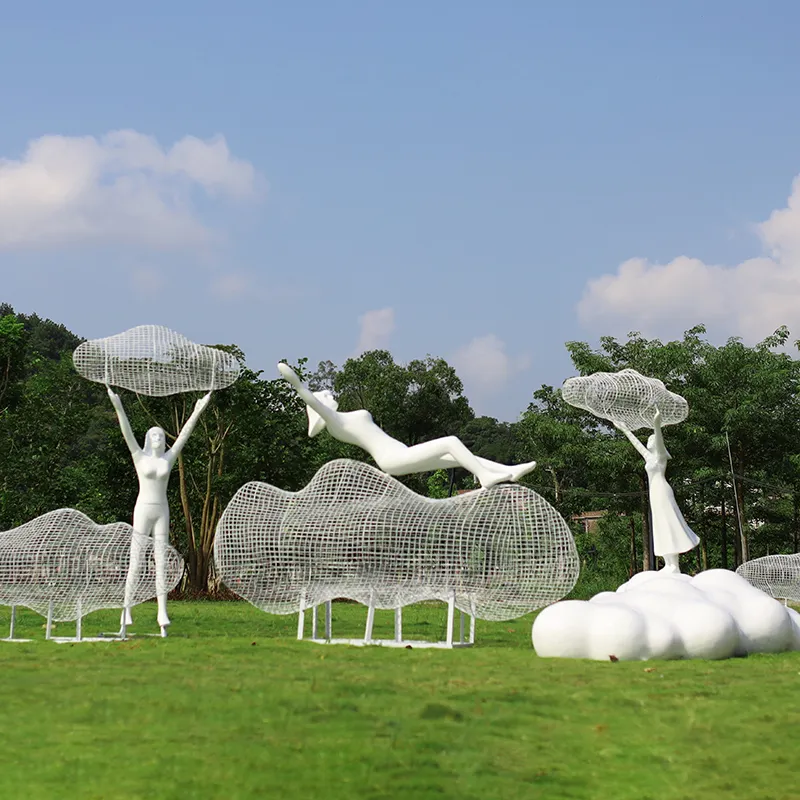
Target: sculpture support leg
[451, 612]
[370, 619]
[314, 622]
[328, 615]
[48, 631]
[13, 622]
[301, 617]
[79, 623]
[398, 624]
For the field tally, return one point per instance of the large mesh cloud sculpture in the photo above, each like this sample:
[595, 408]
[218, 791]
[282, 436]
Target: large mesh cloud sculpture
[626, 397]
[64, 558]
[777, 576]
[155, 361]
[354, 532]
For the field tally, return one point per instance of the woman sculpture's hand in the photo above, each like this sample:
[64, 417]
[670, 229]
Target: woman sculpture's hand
[657, 419]
[201, 404]
[289, 374]
[112, 395]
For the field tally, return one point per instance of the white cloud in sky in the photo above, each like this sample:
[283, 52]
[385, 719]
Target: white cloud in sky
[123, 187]
[485, 366]
[750, 299]
[376, 328]
[230, 286]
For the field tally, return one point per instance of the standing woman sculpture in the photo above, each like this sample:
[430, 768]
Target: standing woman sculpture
[671, 534]
[393, 457]
[153, 464]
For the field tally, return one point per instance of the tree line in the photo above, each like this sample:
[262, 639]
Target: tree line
[735, 468]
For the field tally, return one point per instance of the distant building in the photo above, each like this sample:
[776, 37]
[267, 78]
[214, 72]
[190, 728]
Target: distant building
[588, 520]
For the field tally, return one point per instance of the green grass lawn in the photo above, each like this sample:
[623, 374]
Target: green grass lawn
[231, 706]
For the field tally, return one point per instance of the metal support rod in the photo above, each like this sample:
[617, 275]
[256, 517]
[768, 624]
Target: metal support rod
[301, 617]
[314, 621]
[451, 612]
[13, 622]
[49, 628]
[398, 624]
[328, 615]
[370, 618]
[78, 623]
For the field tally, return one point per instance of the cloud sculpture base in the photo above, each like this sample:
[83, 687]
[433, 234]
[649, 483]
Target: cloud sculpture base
[63, 566]
[778, 576]
[354, 532]
[656, 615]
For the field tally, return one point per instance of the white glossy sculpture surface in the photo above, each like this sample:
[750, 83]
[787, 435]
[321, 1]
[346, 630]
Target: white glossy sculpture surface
[657, 615]
[155, 361]
[357, 533]
[671, 533]
[392, 456]
[153, 463]
[778, 575]
[625, 397]
[65, 559]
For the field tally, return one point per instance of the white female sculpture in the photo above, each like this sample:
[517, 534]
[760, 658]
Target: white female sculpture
[671, 535]
[393, 457]
[153, 464]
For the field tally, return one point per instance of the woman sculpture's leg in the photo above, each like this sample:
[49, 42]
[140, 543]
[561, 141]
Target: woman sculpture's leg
[671, 563]
[441, 454]
[141, 530]
[160, 542]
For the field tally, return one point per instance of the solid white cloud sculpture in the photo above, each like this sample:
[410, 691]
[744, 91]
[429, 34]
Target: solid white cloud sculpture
[354, 532]
[625, 397]
[155, 361]
[778, 576]
[656, 615]
[65, 565]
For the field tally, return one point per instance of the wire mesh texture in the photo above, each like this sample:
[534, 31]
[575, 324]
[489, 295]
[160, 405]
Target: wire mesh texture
[354, 532]
[777, 576]
[66, 559]
[155, 361]
[626, 397]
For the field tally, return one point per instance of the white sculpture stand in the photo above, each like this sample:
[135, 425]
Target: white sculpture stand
[398, 641]
[12, 629]
[656, 615]
[356, 533]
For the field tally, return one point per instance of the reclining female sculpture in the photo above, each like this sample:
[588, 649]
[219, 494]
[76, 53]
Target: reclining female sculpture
[393, 457]
[153, 464]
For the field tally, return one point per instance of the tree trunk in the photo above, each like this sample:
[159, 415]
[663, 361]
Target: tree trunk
[648, 559]
[633, 564]
[724, 543]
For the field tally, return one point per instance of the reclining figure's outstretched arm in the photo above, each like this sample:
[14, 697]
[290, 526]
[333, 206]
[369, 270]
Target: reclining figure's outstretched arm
[307, 396]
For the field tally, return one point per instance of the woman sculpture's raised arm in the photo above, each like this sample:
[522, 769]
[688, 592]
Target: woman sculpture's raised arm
[153, 463]
[393, 457]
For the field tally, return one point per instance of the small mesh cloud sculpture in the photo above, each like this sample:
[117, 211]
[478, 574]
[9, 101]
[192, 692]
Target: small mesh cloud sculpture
[626, 397]
[155, 361]
[354, 532]
[778, 576]
[65, 558]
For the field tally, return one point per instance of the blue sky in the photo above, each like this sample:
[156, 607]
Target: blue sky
[479, 181]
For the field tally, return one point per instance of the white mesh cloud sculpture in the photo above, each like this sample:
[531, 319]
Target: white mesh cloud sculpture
[354, 532]
[155, 361]
[64, 558]
[626, 397]
[658, 615]
[778, 576]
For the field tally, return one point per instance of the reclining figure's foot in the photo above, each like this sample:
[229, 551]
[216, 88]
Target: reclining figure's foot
[518, 470]
[489, 479]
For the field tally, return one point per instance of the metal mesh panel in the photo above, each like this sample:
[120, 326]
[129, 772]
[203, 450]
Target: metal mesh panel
[626, 397]
[155, 361]
[354, 532]
[777, 576]
[64, 558]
